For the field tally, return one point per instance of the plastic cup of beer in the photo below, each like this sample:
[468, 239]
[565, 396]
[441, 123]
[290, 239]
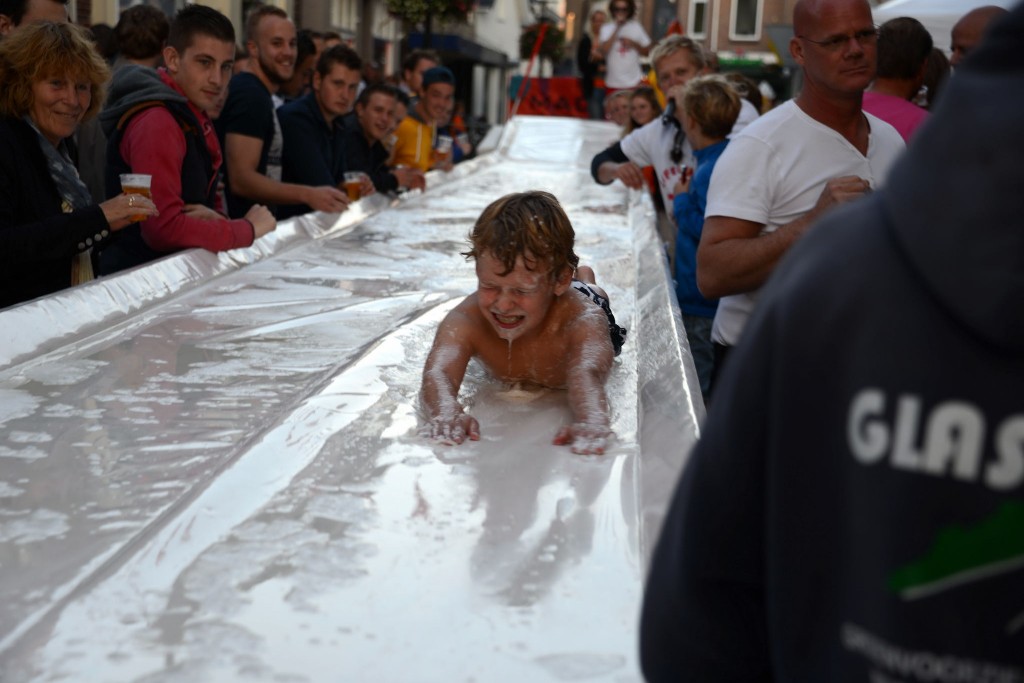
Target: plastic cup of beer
[137, 183]
[353, 184]
[443, 149]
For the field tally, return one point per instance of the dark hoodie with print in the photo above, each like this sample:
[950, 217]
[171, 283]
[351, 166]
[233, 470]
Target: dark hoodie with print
[854, 510]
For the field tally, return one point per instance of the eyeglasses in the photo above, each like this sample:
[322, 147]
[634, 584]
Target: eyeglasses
[618, 8]
[836, 43]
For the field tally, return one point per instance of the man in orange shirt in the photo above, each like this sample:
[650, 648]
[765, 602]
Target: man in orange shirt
[418, 129]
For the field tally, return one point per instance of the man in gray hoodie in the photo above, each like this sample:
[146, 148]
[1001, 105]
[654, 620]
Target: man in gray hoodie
[156, 124]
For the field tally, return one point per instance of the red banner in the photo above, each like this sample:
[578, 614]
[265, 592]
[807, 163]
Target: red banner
[558, 96]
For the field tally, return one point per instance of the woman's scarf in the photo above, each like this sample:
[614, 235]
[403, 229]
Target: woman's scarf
[73, 194]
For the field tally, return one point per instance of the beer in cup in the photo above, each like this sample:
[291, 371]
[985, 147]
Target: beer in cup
[137, 183]
[443, 150]
[353, 184]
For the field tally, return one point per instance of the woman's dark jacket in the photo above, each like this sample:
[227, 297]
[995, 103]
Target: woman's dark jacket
[37, 240]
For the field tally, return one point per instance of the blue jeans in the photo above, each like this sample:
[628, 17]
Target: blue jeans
[698, 334]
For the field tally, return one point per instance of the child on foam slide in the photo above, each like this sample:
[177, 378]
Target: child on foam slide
[529, 321]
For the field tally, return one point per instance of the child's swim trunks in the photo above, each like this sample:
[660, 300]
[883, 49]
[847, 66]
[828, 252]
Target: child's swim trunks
[617, 333]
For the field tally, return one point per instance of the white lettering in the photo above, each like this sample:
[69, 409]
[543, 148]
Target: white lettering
[868, 434]
[1008, 471]
[905, 454]
[922, 665]
[951, 439]
[954, 434]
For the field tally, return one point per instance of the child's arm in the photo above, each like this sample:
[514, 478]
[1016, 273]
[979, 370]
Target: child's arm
[442, 377]
[590, 363]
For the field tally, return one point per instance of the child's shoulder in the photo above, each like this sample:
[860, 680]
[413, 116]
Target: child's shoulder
[462, 328]
[582, 310]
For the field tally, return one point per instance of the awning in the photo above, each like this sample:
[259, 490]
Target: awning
[455, 47]
[748, 59]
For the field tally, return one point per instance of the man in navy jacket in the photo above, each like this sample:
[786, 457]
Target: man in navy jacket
[312, 127]
[365, 130]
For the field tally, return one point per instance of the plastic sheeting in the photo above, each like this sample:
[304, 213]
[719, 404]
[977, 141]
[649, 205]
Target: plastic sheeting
[210, 467]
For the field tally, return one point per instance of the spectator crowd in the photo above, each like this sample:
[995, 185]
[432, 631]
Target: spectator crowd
[230, 133]
[238, 131]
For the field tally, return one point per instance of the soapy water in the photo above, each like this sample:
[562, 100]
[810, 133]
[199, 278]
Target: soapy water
[520, 393]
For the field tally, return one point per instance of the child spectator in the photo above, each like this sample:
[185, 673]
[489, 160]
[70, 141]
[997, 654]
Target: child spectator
[644, 107]
[709, 106]
[616, 108]
[523, 248]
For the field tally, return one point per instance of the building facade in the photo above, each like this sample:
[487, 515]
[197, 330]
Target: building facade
[483, 52]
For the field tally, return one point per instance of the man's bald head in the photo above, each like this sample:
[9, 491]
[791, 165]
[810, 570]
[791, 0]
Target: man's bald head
[807, 14]
[835, 44]
[969, 30]
[803, 15]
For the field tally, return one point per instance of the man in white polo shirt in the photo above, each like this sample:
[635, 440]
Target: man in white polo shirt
[794, 163]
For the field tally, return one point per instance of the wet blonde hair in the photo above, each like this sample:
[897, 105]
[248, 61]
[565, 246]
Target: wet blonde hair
[531, 225]
[45, 49]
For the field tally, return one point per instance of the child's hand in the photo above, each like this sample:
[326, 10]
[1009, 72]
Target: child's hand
[683, 184]
[585, 438]
[455, 431]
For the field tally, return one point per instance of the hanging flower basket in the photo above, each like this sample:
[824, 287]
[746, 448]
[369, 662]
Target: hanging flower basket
[552, 47]
[416, 11]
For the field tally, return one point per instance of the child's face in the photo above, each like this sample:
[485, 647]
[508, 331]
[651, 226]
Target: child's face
[618, 110]
[690, 126]
[641, 111]
[517, 302]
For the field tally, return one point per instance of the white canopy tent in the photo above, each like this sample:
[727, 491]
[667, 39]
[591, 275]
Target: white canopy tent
[938, 16]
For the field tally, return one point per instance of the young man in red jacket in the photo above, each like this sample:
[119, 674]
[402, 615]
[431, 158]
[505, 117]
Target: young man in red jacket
[156, 124]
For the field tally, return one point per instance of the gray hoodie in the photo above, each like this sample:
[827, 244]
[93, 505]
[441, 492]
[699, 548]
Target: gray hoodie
[131, 86]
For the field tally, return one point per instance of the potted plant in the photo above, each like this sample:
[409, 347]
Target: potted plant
[418, 11]
[552, 47]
